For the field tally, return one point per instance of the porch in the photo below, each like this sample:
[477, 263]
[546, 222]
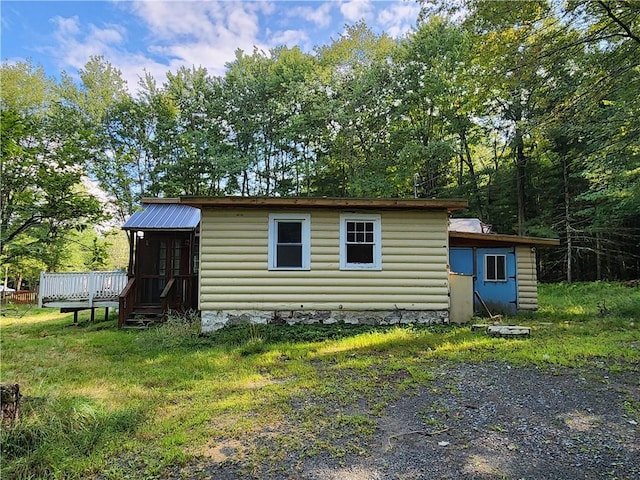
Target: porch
[163, 263]
[76, 291]
[81, 289]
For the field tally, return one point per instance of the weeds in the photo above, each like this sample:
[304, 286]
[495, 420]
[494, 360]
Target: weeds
[58, 430]
[632, 407]
[178, 329]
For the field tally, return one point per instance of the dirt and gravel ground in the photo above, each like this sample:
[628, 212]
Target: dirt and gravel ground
[483, 421]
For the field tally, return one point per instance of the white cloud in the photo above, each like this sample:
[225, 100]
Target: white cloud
[290, 38]
[398, 18]
[201, 21]
[161, 36]
[177, 34]
[355, 10]
[67, 26]
[74, 45]
[202, 33]
[112, 34]
[320, 16]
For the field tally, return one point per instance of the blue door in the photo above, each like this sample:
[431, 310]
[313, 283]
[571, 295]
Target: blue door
[496, 280]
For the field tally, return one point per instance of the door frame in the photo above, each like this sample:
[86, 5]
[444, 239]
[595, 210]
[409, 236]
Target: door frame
[155, 260]
[499, 295]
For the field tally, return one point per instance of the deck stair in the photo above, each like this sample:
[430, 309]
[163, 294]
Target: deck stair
[143, 318]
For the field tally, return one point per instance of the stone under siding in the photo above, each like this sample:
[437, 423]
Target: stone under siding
[214, 320]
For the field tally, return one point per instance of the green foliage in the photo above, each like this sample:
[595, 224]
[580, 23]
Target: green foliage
[584, 301]
[43, 161]
[179, 329]
[528, 111]
[117, 245]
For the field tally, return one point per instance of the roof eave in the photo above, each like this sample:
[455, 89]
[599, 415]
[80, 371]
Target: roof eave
[499, 238]
[325, 202]
[147, 200]
[165, 229]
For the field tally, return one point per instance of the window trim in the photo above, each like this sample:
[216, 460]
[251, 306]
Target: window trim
[377, 241]
[305, 220]
[486, 267]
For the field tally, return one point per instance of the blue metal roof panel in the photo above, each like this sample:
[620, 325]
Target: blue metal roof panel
[164, 216]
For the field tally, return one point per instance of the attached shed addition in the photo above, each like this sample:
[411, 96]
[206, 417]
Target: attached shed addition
[503, 267]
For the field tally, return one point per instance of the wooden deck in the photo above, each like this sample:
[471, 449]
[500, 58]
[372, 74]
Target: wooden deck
[81, 290]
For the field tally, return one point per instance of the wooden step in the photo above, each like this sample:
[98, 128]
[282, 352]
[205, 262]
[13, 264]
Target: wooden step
[146, 310]
[141, 321]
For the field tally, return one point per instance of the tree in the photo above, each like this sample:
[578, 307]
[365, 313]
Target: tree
[431, 123]
[193, 159]
[42, 165]
[355, 70]
[562, 82]
[263, 95]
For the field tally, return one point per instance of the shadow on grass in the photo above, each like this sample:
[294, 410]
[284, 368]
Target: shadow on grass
[171, 376]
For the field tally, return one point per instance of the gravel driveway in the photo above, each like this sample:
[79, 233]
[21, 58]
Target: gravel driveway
[483, 421]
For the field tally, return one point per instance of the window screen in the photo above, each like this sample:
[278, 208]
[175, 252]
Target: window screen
[289, 244]
[289, 241]
[496, 268]
[360, 242]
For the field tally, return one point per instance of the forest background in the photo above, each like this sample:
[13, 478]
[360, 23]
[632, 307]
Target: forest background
[529, 110]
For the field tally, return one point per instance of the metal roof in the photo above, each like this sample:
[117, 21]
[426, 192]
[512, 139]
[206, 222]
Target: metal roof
[164, 216]
[472, 232]
[473, 225]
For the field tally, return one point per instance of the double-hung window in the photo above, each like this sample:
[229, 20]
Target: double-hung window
[360, 242]
[289, 241]
[495, 268]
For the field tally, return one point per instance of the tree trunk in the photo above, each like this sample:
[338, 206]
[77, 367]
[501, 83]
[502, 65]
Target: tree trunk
[245, 184]
[10, 403]
[598, 256]
[567, 218]
[521, 163]
[466, 158]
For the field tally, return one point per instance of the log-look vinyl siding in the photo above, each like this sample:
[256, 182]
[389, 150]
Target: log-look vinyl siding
[527, 279]
[234, 265]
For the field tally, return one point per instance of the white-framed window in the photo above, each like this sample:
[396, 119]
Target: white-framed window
[360, 242]
[289, 241]
[495, 268]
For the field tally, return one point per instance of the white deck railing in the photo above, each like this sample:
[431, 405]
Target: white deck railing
[81, 287]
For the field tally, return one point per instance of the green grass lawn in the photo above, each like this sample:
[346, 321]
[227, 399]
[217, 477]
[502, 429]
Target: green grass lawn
[122, 404]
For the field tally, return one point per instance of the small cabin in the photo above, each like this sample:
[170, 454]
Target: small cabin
[164, 259]
[323, 260]
[502, 267]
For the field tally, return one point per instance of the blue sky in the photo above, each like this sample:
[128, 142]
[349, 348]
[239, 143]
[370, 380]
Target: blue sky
[160, 36]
